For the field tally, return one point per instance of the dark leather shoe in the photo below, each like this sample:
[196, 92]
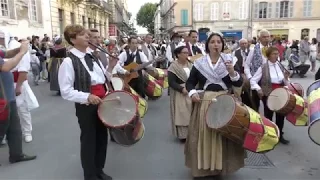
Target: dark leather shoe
[21, 158]
[104, 176]
[283, 140]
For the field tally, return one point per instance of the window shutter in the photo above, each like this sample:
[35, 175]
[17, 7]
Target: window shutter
[256, 10]
[12, 9]
[241, 10]
[39, 11]
[277, 13]
[184, 17]
[291, 9]
[269, 10]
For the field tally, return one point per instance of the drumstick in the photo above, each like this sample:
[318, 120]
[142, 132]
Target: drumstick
[212, 100]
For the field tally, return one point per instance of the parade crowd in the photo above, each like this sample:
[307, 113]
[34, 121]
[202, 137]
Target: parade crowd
[82, 68]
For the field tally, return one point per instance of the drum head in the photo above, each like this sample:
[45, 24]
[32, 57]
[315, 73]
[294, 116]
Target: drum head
[117, 83]
[221, 111]
[117, 109]
[278, 99]
[314, 131]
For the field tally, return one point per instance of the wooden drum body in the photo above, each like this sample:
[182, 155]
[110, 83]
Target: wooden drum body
[313, 94]
[118, 112]
[142, 103]
[296, 88]
[152, 89]
[241, 124]
[281, 101]
[299, 115]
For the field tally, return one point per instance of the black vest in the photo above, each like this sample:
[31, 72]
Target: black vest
[130, 59]
[82, 80]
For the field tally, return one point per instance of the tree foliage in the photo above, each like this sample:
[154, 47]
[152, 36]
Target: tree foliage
[145, 16]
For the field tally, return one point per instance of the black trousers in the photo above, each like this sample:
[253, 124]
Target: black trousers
[138, 85]
[246, 99]
[94, 140]
[267, 112]
[12, 128]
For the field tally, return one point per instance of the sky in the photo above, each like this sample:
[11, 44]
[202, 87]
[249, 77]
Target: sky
[133, 7]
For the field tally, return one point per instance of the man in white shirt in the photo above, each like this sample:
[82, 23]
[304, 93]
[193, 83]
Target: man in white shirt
[23, 91]
[82, 79]
[148, 48]
[175, 42]
[133, 55]
[256, 58]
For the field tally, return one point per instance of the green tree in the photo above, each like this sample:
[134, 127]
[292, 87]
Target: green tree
[145, 16]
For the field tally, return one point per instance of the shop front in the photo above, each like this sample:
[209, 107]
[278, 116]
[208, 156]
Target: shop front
[232, 35]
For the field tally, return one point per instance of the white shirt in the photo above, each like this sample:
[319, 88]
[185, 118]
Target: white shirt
[169, 53]
[150, 55]
[66, 77]
[123, 58]
[24, 64]
[248, 64]
[197, 45]
[275, 72]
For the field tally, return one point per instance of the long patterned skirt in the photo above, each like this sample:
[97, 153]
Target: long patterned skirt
[207, 153]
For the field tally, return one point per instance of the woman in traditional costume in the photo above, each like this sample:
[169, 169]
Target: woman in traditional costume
[208, 153]
[270, 76]
[57, 53]
[180, 102]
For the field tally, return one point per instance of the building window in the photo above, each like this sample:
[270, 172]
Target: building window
[61, 20]
[307, 8]
[89, 22]
[4, 8]
[284, 9]
[84, 21]
[263, 7]
[184, 17]
[72, 18]
[198, 12]
[33, 10]
[243, 9]
[304, 33]
[318, 35]
[214, 11]
[226, 6]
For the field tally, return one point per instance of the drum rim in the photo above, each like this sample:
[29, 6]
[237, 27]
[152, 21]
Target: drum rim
[310, 124]
[119, 126]
[287, 91]
[234, 109]
[308, 93]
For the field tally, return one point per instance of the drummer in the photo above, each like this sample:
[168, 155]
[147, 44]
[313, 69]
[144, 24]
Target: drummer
[267, 78]
[82, 81]
[133, 55]
[207, 153]
[180, 103]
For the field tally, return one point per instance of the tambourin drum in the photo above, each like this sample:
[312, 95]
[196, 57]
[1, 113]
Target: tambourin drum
[152, 89]
[313, 94]
[296, 88]
[119, 112]
[314, 86]
[242, 124]
[281, 100]
[162, 78]
[117, 83]
[298, 116]
[142, 103]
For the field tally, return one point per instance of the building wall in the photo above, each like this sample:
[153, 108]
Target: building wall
[293, 27]
[232, 21]
[157, 23]
[81, 13]
[19, 23]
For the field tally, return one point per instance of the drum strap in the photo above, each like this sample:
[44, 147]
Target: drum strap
[109, 83]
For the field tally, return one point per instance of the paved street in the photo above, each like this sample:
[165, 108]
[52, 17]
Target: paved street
[157, 156]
